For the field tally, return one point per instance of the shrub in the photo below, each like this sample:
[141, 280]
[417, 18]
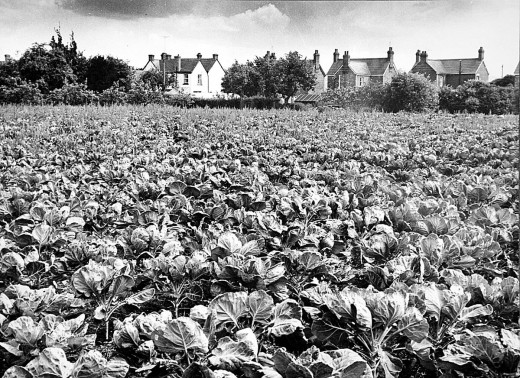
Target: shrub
[24, 94]
[411, 92]
[72, 94]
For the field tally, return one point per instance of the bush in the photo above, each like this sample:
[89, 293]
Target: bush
[371, 96]
[24, 94]
[411, 92]
[477, 96]
[72, 94]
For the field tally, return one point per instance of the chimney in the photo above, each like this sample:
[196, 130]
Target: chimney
[215, 56]
[346, 59]
[178, 61]
[273, 56]
[150, 57]
[424, 56]
[168, 57]
[390, 54]
[199, 56]
[336, 56]
[417, 56]
[7, 57]
[481, 53]
[268, 56]
[316, 59]
[163, 56]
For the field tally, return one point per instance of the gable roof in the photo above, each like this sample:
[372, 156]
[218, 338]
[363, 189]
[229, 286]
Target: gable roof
[187, 64]
[451, 66]
[362, 66]
[311, 64]
[517, 68]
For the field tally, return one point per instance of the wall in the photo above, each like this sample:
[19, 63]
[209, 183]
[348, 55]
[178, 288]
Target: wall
[389, 74]
[425, 69]
[320, 82]
[195, 89]
[347, 79]
[484, 76]
[517, 81]
[216, 74]
[453, 80]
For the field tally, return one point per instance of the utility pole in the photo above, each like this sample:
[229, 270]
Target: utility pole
[502, 70]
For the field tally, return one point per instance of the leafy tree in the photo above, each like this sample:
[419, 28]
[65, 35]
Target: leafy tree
[411, 92]
[269, 78]
[9, 74]
[241, 79]
[48, 66]
[504, 81]
[102, 72]
[152, 78]
[295, 74]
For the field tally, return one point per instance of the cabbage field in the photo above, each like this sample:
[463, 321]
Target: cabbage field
[162, 242]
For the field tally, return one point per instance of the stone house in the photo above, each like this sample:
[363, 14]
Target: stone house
[199, 77]
[350, 72]
[453, 72]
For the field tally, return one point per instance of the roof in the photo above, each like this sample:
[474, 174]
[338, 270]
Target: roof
[451, 66]
[516, 71]
[363, 66]
[304, 97]
[311, 63]
[187, 64]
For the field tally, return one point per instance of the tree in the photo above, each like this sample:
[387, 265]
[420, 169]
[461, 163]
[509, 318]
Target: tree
[54, 64]
[103, 72]
[295, 74]
[504, 81]
[241, 79]
[411, 92]
[47, 66]
[9, 74]
[153, 78]
[269, 79]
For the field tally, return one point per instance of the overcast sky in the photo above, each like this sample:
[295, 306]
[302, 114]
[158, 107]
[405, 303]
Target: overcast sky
[241, 30]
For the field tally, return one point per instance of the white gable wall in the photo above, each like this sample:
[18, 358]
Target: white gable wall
[216, 74]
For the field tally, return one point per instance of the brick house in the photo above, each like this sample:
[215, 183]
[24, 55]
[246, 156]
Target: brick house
[453, 72]
[517, 76]
[200, 77]
[360, 71]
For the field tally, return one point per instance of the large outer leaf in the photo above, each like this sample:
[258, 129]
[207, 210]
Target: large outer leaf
[281, 360]
[286, 318]
[413, 325]
[295, 370]
[260, 306]
[42, 234]
[50, 361]
[349, 364]
[180, 335]
[17, 372]
[229, 307]
[141, 297]
[93, 365]
[25, 330]
[350, 305]
[121, 284]
[474, 311]
[331, 329]
[231, 354]
[483, 348]
[434, 300]
[229, 242]
[392, 365]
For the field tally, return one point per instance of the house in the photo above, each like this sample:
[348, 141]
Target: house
[7, 59]
[453, 72]
[349, 72]
[200, 77]
[517, 76]
[314, 95]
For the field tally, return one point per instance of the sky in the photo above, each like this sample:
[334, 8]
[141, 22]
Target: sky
[242, 30]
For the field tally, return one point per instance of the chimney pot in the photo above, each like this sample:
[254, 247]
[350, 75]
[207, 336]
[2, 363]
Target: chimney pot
[417, 56]
[316, 59]
[424, 56]
[7, 57]
[215, 56]
[481, 53]
[336, 55]
[390, 54]
[164, 56]
[199, 56]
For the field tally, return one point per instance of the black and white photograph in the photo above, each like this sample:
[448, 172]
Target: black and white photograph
[259, 189]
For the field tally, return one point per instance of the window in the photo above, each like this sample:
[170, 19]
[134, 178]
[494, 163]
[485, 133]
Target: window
[186, 79]
[199, 79]
[477, 77]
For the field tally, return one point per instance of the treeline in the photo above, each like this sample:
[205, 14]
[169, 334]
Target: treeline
[415, 93]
